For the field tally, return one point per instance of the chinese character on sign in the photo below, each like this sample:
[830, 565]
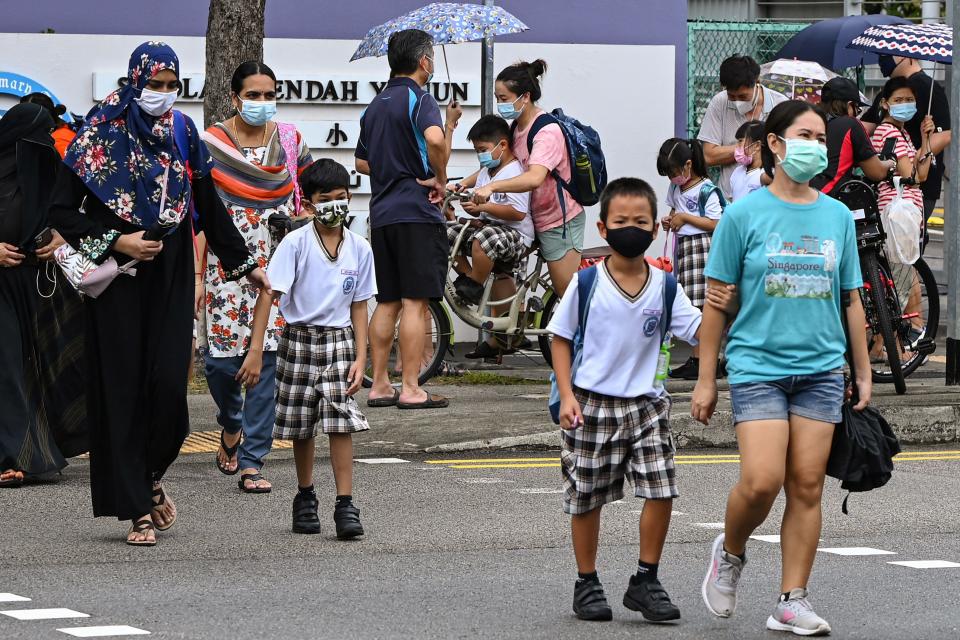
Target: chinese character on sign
[336, 135]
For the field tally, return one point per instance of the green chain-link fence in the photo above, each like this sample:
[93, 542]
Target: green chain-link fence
[709, 43]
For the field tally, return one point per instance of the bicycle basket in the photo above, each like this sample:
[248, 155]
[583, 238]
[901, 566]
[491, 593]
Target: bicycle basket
[861, 199]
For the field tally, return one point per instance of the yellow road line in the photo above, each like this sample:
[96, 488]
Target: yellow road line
[917, 459]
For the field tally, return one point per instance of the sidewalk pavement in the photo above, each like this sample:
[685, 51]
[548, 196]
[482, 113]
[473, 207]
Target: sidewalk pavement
[503, 416]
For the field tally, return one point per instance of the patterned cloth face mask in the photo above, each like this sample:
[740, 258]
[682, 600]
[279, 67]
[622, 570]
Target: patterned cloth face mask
[332, 214]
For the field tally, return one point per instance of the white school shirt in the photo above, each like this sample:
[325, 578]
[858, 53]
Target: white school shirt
[744, 181]
[688, 201]
[519, 201]
[622, 341]
[316, 289]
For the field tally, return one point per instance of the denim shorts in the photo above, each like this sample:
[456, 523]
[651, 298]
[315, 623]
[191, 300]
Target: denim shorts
[818, 396]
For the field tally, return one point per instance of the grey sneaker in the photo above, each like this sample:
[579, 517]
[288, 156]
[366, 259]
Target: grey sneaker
[794, 614]
[720, 586]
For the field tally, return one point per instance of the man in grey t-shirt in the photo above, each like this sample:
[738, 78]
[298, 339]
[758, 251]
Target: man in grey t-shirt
[742, 100]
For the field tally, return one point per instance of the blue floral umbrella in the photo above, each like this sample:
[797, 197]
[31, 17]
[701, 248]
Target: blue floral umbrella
[932, 42]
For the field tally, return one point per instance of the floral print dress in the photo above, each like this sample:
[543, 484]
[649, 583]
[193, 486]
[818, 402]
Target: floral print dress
[230, 305]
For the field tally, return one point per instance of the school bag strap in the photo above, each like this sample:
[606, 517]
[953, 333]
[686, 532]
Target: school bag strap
[539, 123]
[586, 285]
[669, 296]
[706, 190]
[291, 149]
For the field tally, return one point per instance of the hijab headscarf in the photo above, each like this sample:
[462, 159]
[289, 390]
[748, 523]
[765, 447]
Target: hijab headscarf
[28, 163]
[121, 152]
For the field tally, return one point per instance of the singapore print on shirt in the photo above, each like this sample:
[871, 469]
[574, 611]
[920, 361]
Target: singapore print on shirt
[802, 268]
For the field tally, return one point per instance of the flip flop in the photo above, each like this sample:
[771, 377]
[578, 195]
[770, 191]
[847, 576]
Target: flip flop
[252, 477]
[384, 402]
[230, 452]
[14, 482]
[142, 526]
[432, 402]
[161, 494]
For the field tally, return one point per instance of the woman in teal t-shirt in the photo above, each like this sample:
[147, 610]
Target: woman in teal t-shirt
[791, 251]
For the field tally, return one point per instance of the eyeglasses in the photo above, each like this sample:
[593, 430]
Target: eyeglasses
[159, 85]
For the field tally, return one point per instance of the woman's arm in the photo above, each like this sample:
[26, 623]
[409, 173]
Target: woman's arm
[221, 234]
[858, 347]
[249, 373]
[876, 169]
[524, 183]
[704, 400]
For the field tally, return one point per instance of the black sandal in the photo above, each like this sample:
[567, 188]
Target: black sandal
[230, 452]
[143, 525]
[305, 517]
[158, 492]
[252, 477]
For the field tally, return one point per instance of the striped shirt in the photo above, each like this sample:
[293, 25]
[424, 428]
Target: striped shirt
[903, 149]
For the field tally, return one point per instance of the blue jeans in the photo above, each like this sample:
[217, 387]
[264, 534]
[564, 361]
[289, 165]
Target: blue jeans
[253, 413]
[818, 397]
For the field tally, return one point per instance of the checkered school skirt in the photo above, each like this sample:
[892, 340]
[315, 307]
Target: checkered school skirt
[499, 242]
[692, 252]
[312, 368]
[621, 438]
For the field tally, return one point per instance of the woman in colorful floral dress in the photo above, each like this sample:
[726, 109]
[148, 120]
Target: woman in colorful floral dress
[256, 164]
[134, 167]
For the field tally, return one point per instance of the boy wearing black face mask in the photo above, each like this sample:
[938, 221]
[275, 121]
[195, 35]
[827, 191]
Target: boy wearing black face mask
[614, 411]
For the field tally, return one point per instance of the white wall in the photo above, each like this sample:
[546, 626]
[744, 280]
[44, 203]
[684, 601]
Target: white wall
[626, 92]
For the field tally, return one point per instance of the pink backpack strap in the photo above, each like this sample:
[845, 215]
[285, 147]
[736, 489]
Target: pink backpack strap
[291, 149]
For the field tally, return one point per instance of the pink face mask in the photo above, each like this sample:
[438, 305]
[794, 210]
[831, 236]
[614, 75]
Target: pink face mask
[742, 157]
[679, 180]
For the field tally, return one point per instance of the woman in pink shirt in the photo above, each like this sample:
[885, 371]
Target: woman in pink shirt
[517, 91]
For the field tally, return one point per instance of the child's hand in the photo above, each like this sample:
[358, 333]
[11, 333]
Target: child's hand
[665, 222]
[355, 376]
[249, 373]
[482, 194]
[677, 220]
[471, 207]
[704, 401]
[571, 416]
[724, 298]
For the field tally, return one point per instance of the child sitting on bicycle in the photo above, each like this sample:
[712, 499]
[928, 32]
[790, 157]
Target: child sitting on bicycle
[502, 229]
[323, 275]
[696, 205]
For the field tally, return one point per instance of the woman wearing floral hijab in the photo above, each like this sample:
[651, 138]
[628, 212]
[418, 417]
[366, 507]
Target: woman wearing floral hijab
[132, 154]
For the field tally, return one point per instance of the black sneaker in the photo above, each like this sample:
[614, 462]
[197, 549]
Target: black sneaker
[650, 599]
[347, 518]
[589, 601]
[305, 518]
[469, 290]
[689, 370]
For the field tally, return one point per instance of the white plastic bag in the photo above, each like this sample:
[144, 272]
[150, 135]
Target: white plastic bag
[903, 222]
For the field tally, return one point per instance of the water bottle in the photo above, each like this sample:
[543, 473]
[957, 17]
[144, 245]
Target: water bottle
[583, 178]
[663, 364]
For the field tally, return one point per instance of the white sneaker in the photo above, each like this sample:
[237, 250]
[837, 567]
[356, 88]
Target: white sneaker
[720, 586]
[794, 614]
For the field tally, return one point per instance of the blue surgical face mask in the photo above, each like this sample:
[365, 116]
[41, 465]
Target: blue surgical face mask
[430, 75]
[904, 111]
[508, 110]
[487, 160]
[804, 159]
[257, 113]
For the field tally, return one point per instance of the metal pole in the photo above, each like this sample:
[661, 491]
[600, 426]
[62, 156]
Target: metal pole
[930, 14]
[852, 7]
[951, 227]
[486, 71]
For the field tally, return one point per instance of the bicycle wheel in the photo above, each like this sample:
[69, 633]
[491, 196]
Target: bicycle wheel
[552, 300]
[919, 300]
[436, 346]
[881, 309]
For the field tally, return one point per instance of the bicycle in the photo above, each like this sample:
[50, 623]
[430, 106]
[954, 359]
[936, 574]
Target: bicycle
[528, 312]
[901, 301]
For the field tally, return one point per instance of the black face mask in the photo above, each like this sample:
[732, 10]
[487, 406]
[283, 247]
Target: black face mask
[629, 242]
[887, 65]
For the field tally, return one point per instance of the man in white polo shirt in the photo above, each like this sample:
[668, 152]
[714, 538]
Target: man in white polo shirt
[743, 99]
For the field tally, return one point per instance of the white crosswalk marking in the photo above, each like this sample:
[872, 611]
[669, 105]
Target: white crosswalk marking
[763, 538]
[12, 597]
[927, 564]
[43, 614]
[104, 632]
[539, 491]
[381, 460]
[710, 525]
[857, 551]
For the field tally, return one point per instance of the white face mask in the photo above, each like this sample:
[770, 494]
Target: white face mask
[746, 106]
[156, 103]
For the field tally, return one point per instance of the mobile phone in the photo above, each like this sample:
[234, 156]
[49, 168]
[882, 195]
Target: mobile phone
[43, 238]
[156, 233]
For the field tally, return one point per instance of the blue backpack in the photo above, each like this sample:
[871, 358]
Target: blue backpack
[586, 285]
[588, 168]
[707, 190]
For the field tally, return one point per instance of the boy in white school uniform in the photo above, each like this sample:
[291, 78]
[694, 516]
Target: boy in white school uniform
[323, 274]
[614, 412]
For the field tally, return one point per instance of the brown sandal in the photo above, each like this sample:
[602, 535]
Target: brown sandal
[160, 499]
[143, 525]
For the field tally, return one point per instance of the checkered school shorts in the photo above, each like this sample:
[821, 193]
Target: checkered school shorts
[692, 252]
[312, 368]
[620, 438]
[500, 243]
